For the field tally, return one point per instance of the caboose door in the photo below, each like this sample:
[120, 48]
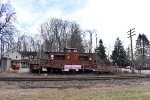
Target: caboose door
[72, 62]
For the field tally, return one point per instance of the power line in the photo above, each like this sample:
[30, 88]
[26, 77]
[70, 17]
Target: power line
[130, 36]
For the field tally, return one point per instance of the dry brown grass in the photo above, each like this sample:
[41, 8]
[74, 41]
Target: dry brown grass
[98, 92]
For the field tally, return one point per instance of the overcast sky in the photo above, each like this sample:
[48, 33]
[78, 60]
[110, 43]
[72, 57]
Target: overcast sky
[110, 18]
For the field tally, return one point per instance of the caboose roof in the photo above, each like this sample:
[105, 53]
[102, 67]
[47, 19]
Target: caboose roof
[62, 53]
[71, 48]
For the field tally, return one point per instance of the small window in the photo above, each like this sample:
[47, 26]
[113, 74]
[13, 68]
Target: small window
[83, 58]
[68, 50]
[12, 51]
[23, 65]
[59, 57]
[74, 50]
[16, 57]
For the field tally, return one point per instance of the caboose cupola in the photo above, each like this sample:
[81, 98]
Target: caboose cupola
[70, 50]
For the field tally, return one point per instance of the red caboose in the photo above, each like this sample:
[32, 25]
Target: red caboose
[70, 59]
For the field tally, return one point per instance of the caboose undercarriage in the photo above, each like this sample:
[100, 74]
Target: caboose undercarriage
[37, 66]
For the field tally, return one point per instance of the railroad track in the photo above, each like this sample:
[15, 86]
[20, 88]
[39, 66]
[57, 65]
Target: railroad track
[72, 78]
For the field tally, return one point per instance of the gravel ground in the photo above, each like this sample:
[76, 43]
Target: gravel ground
[128, 89]
[46, 75]
[72, 84]
[5, 74]
[64, 84]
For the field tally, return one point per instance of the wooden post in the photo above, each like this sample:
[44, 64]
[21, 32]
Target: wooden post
[39, 66]
[51, 70]
[39, 69]
[83, 69]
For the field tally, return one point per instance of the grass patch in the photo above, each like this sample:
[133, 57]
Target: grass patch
[100, 93]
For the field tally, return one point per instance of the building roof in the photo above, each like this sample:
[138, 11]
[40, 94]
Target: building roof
[28, 53]
[70, 48]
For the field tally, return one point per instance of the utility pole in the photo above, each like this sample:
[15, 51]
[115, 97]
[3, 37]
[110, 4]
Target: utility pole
[96, 40]
[128, 52]
[90, 50]
[130, 36]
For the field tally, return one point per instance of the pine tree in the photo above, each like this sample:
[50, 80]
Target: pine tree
[118, 54]
[101, 50]
[142, 43]
[142, 47]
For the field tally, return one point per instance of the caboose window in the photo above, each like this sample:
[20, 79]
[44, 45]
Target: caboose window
[74, 50]
[59, 57]
[83, 58]
[68, 50]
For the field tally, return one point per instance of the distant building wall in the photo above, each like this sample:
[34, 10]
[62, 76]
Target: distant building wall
[5, 64]
[25, 58]
[13, 55]
[24, 70]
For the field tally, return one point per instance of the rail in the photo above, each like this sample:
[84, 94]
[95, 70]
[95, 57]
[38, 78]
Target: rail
[71, 78]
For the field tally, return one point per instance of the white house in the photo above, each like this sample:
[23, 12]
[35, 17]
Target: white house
[19, 59]
[14, 55]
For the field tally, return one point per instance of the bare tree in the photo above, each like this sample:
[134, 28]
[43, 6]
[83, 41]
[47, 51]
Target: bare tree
[55, 34]
[59, 34]
[7, 29]
[76, 37]
[28, 43]
[48, 36]
[88, 40]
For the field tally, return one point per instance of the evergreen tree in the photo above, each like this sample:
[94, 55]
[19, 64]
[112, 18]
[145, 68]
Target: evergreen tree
[142, 43]
[101, 55]
[118, 54]
[101, 50]
[142, 47]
